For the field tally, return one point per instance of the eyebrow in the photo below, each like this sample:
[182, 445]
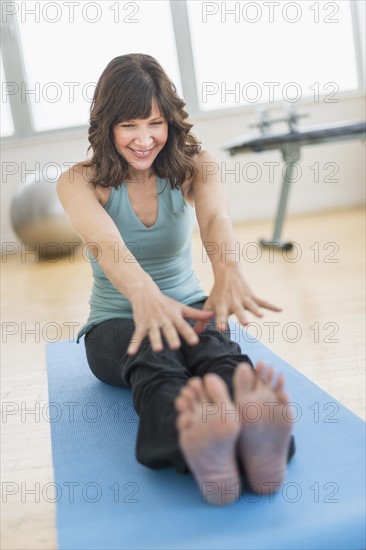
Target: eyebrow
[134, 119]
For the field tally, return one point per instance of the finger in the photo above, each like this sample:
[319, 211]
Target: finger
[171, 335]
[198, 314]
[200, 326]
[155, 338]
[241, 315]
[135, 341]
[222, 314]
[267, 305]
[187, 332]
[252, 306]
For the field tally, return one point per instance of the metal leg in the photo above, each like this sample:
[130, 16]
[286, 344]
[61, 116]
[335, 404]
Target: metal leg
[290, 154]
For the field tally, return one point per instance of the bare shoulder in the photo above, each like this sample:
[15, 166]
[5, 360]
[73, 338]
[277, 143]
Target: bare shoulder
[77, 173]
[80, 173]
[81, 176]
[203, 157]
[199, 159]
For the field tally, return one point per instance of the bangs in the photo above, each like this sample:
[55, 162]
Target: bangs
[136, 102]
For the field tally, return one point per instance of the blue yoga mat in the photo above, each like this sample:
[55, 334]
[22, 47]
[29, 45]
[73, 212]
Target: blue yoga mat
[106, 500]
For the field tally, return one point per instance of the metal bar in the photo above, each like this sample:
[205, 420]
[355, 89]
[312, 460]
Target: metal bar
[291, 154]
[281, 209]
[185, 54]
[357, 44]
[15, 74]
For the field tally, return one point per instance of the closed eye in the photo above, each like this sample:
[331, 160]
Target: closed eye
[131, 125]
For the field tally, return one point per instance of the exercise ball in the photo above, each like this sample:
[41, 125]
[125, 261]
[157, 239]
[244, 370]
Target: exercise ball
[40, 221]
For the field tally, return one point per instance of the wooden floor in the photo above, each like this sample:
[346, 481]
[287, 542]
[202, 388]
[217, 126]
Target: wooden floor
[320, 332]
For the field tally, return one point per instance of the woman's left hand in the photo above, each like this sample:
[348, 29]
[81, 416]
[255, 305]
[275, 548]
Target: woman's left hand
[231, 294]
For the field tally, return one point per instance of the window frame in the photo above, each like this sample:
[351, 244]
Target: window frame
[21, 111]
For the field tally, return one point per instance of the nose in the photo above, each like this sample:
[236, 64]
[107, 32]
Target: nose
[144, 140]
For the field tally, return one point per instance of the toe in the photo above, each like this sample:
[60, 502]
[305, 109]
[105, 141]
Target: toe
[188, 395]
[244, 378]
[260, 368]
[195, 384]
[181, 404]
[268, 377]
[215, 388]
[282, 397]
[280, 382]
[184, 421]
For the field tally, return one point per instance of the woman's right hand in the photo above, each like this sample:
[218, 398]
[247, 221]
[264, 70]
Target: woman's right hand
[155, 313]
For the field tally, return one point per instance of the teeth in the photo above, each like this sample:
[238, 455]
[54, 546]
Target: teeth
[141, 152]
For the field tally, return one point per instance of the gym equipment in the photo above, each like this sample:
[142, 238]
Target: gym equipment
[265, 121]
[290, 144]
[39, 219]
[106, 499]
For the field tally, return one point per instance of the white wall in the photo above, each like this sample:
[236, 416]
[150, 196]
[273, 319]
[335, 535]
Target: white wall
[248, 200]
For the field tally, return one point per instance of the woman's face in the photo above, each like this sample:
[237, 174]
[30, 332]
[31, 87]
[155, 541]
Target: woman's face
[140, 141]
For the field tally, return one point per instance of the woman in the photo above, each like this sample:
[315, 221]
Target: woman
[151, 328]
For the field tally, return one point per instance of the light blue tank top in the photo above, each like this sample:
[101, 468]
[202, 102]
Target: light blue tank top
[163, 250]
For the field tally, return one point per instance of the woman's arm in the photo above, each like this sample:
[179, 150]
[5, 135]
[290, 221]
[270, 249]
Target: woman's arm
[152, 310]
[98, 231]
[230, 293]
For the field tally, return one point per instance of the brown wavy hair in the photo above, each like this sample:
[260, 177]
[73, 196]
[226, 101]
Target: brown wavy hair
[125, 91]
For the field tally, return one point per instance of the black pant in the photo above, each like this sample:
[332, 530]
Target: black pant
[156, 378]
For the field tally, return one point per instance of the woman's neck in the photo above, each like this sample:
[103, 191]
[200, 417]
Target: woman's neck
[141, 177]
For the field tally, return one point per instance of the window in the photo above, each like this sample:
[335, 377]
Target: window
[7, 126]
[271, 51]
[65, 50]
[220, 54]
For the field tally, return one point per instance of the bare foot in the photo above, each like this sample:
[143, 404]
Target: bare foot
[208, 436]
[265, 426]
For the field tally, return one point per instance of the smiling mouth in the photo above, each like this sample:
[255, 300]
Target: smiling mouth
[141, 154]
